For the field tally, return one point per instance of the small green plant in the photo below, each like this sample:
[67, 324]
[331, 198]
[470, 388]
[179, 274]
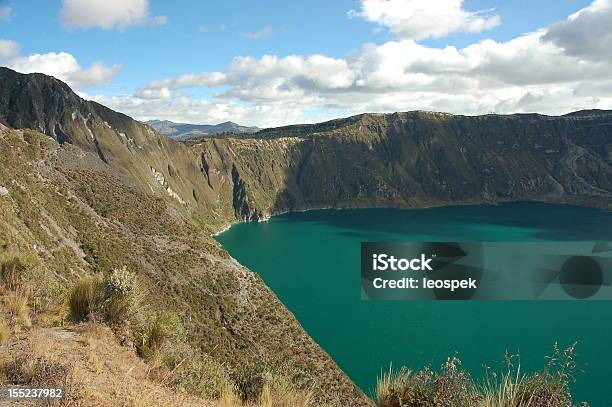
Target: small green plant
[158, 331]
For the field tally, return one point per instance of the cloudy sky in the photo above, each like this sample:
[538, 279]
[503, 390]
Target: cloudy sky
[275, 62]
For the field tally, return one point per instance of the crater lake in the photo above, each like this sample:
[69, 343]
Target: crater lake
[311, 260]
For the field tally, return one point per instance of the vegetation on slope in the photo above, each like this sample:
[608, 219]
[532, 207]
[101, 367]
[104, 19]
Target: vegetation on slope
[452, 386]
[97, 366]
[69, 226]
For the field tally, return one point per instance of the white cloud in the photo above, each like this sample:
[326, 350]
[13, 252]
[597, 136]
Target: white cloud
[162, 93]
[534, 72]
[264, 32]
[419, 19]
[8, 48]
[201, 80]
[6, 12]
[65, 67]
[94, 75]
[586, 33]
[108, 14]
[189, 110]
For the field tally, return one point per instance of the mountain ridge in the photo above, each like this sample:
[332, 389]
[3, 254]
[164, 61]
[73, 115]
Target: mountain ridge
[296, 129]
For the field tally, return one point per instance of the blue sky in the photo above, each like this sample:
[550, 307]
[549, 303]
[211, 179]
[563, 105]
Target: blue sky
[170, 39]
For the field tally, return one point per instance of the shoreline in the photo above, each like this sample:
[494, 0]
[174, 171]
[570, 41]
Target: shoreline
[228, 226]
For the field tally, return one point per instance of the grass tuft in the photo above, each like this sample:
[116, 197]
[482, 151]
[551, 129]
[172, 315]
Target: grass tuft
[13, 268]
[451, 386]
[85, 298]
[111, 298]
[276, 392]
[16, 303]
[161, 329]
[5, 332]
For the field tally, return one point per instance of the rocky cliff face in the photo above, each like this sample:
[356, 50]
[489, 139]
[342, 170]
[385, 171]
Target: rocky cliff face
[420, 159]
[154, 199]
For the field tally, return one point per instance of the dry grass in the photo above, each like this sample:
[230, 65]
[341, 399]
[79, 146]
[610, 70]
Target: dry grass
[276, 392]
[110, 298]
[5, 332]
[451, 387]
[16, 303]
[280, 393]
[91, 365]
[56, 313]
[391, 384]
[12, 270]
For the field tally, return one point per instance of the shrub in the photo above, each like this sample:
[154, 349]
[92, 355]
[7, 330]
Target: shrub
[194, 371]
[49, 294]
[249, 380]
[201, 376]
[85, 298]
[163, 328]
[110, 298]
[119, 295]
[120, 281]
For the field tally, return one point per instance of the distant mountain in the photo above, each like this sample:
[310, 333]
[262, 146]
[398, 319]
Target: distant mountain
[185, 131]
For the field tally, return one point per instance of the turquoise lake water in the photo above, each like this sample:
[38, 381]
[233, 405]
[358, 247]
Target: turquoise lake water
[311, 261]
